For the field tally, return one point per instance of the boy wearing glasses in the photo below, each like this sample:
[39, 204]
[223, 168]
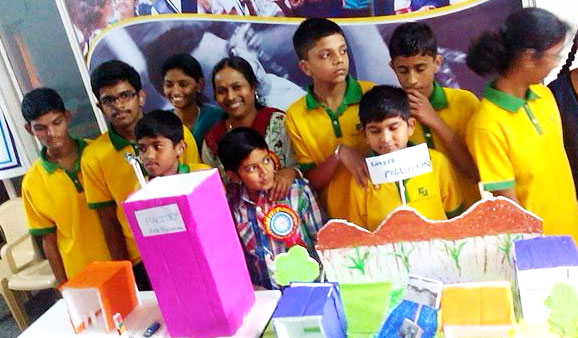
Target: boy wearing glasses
[108, 177]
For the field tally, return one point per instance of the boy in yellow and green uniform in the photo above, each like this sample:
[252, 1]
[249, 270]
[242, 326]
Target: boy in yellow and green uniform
[518, 145]
[442, 113]
[387, 126]
[109, 179]
[53, 192]
[324, 125]
[160, 143]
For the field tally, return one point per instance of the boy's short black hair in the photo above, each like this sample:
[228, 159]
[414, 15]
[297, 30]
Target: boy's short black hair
[411, 39]
[310, 31]
[383, 102]
[39, 102]
[112, 72]
[160, 123]
[236, 145]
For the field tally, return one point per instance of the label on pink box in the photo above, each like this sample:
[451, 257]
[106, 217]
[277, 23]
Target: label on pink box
[165, 219]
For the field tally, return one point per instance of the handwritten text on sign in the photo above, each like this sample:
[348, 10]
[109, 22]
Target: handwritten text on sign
[165, 219]
[399, 165]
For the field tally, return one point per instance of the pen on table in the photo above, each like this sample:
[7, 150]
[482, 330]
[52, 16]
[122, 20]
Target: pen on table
[152, 329]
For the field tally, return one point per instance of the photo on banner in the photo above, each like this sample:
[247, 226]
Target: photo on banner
[90, 17]
[267, 44]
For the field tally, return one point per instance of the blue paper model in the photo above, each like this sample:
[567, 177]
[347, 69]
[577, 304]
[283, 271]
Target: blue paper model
[310, 310]
[427, 321]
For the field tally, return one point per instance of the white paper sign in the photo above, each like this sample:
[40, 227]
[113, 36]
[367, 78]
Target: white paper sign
[165, 219]
[399, 165]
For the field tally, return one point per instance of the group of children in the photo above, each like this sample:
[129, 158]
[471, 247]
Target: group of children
[271, 160]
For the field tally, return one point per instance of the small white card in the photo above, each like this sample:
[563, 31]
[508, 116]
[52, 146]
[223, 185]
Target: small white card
[165, 219]
[399, 165]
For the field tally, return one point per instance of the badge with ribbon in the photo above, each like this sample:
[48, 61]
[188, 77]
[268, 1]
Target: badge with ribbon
[281, 222]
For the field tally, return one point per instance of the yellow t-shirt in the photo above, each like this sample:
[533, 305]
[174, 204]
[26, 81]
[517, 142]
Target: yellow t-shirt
[54, 201]
[109, 179]
[455, 107]
[315, 131]
[434, 195]
[517, 143]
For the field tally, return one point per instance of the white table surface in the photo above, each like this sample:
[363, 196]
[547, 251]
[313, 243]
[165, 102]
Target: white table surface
[56, 323]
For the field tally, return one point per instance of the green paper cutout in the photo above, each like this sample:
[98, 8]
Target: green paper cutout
[359, 261]
[366, 306]
[563, 318]
[295, 265]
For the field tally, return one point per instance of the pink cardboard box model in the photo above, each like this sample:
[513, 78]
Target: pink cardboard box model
[187, 239]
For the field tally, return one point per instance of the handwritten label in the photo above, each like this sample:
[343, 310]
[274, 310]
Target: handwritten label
[165, 219]
[399, 165]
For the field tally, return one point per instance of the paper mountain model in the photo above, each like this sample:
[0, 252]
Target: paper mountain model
[310, 310]
[475, 246]
[540, 264]
[478, 310]
[99, 291]
[188, 242]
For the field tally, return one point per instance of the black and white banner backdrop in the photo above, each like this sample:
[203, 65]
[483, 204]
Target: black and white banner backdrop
[266, 42]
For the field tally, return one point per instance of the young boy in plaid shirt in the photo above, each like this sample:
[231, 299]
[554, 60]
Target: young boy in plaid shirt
[266, 228]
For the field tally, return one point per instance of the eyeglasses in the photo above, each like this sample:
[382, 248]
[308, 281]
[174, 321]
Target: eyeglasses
[124, 97]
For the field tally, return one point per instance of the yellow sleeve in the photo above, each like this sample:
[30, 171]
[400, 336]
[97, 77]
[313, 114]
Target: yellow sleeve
[490, 152]
[300, 149]
[357, 208]
[469, 104]
[191, 154]
[449, 191]
[95, 188]
[38, 223]
[198, 166]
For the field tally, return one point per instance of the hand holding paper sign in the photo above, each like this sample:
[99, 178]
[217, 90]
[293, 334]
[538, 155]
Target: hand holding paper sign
[399, 165]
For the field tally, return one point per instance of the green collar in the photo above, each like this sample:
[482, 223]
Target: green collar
[118, 142]
[50, 167]
[353, 94]
[183, 169]
[507, 101]
[438, 98]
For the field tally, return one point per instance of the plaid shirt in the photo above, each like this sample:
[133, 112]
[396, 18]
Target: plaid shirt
[260, 249]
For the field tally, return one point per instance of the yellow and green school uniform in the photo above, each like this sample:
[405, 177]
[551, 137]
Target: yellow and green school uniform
[54, 202]
[315, 131]
[434, 195]
[455, 107]
[109, 179]
[517, 143]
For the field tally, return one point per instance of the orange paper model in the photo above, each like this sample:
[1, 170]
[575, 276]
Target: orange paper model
[98, 292]
[482, 309]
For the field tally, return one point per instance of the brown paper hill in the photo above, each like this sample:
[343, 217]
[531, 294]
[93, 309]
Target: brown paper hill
[487, 217]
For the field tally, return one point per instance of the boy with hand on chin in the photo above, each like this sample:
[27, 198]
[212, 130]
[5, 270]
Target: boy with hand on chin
[442, 113]
[266, 228]
[323, 125]
[109, 178]
[53, 192]
[384, 112]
